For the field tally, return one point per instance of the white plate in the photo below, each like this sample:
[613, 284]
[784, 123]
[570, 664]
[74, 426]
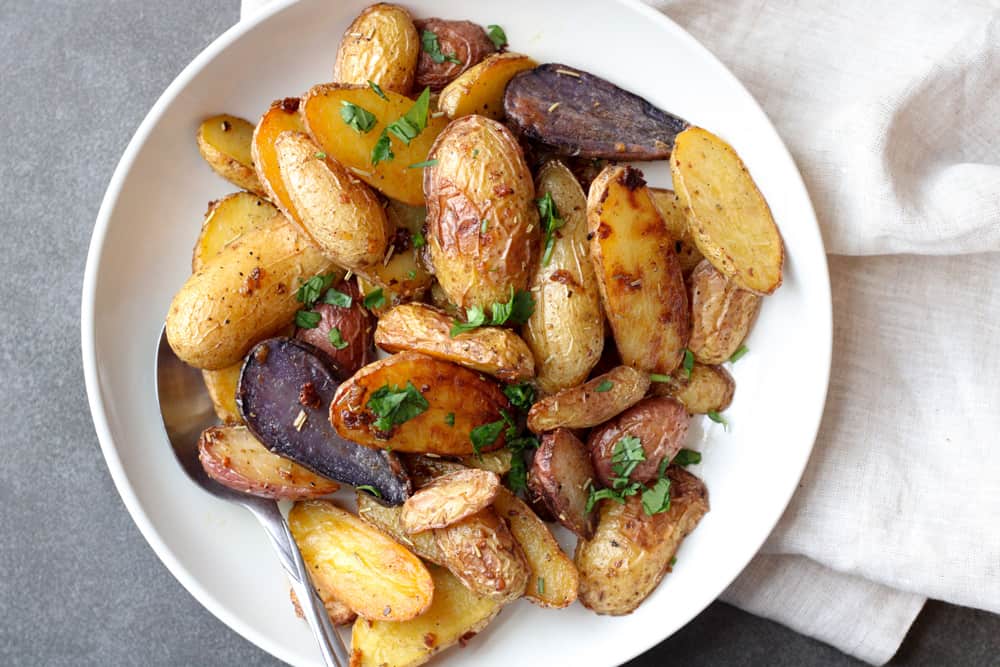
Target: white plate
[140, 254]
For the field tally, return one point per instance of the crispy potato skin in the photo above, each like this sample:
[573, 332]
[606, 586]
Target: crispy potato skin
[638, 273]
[479, 90]
[721, 314]
[631, 552]
[583, 406]
[729, 218]
[709, 389]
[455, 615]
[467, 42]
[356, 326]
[381, 45]
[226, 220]
[660, 424]
[553, 580]
[387, 519]
[283, 116]
[422, 328]
[221, 385]
[449, 499]
[561, 474]
[224, 142]
[358, 564]
[341, 215]
[234, 458]
[478, 264]
[474, 400]
[566, 330]
[674, 218]
[339, 613]
[242, 295]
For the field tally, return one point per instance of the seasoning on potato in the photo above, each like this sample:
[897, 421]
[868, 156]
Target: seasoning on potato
[479, 90]
[224, 142]
[449, 499]
[381, 45]
[721, 314]
[676, 221]
[448, 49]
[226, 220]
[591, 403]
[707, 389]
[561, 474]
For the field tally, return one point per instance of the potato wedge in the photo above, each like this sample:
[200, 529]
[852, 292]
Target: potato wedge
[358, 564]
[381, 45]
[728, 216]
[470, 398]
[449, 499]
[402, 274]
[387, 519]
[455, 615]
[394, 178]
[233, 457]
[566, 329]
[591, 403]
[338, 212]
[481, 551]
[553, 580]
[422, 328]
[479, 90]
[339, 613]
[660, 424]
[482, 222]
[631, 552]
[355, 326]
[283, 116]
[242, 295]
[638, 273]
[226, 220]
[709, 389]
[560, 476]
[721, 314]
[224, 142]
[462, 41]
[221, 385]
[677, 225]
[497, 461]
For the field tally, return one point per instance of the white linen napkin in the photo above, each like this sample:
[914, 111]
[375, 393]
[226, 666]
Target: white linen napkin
[892, 112]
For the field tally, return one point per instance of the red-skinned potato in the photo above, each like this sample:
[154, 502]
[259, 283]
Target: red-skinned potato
[463, 41]
[660, 424]
[561, 475]
[355, 326]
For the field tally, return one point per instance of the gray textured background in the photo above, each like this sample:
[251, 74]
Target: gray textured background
[78, 585]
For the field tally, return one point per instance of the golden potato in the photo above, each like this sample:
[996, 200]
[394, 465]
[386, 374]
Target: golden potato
[339, 613]
[631, 552]
[728, 217]
[591, 403]
[709, 389]
[638, 273]
[482, 223]
[381, 45]
[360, 566]
[242, 295]
[226, 220]
[449, 499]
[677, 224]
[387, 519]
[283, 116]
[497, 461]
[402, 274]
[469, 399]
[479, 90]
[396, 178]
[224, 142]
[566, 330]
[422, 328]
[221, 385]
[721, 314]
[455, 615]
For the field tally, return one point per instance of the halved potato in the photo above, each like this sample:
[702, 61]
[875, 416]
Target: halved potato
[221, 385]
[709, 389]
[339, 613]
[226, 220]
[676, 221]
[560, 477]
[728, 216]
[479, 90]
[402, 274]
[449, 499]
[381, 45]
[395, 178]
[659, 424]
[224, 142]
[591, 403]
[721, 314]
[463, 43]
[283, 116]
[387, 519]
[360, 566]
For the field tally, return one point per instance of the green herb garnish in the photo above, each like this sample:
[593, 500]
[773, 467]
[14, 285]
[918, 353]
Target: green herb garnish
[656, 498]
[412, 123]
[688, 363]
[717, 418]
[382, 151]
[483, 225]
[738, 354]
[370, 489]
[418, 240]
[432, 47]
[307, 319]
[687, 457]
[541, 586]
[425, 163]
[360, 119]
[396, 406]
[521, 396]
[497, 36]
[625, 457]
[311, 289]
[375, 299]
[485, 435]
[515, 310]
[336, 339]
[411, 274]
[660, 377]
[549, 216]
[337, 298]
[604, 386]
[320, 155]
[449, 419]
[474, 317]
[378, 91]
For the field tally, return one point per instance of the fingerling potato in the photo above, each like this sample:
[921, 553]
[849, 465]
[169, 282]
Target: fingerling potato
[388, 520]
[402, 274]
[354, 325]
[449, 499]
[591, 403]
[224, 142]
[560, 476]
[461, 44]
[226, 220]
[498, 461]
[479, 90]
[674, 218]
[631, 552]
[661, 426]
[283, 116]
[709, 389]
[721, 314]
[339, 613]
[638, 273]
[381, 45]
[221, 385]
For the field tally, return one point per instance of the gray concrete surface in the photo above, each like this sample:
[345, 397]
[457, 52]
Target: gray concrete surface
[78, 585]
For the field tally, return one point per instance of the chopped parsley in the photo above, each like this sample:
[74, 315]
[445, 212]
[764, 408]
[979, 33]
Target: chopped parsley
[549, 216]
[418, 240]
[483, 226]
[521, 396]
[604, 386]
[411, 274]
[375, 299]
[311, 290]
[412, 123]
[738, 354]
[357, 117]
[431, 45]
[474, 317]
[660, 377]
[320, 155]
[687, 457]
[626, 455]
[656, 498]
[541, 586]
[307, 319]
[717, 418]
[370, 489]
[516, 310]
[496, 35]
[425, 163]
[337, 298]
[688, 363]
[336, 339]
[382, 151]
[449, 419]
[395, 406]
[486, 434]
[378, 91]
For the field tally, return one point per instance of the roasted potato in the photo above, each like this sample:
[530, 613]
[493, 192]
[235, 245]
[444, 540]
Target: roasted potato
[395, 178]
[482, 222]
[638, 273]
[461, 44]
[729, 219]
[709, 389]
[358, 564]
[234, 458]
[381, 45]
[449, 499]
[355, 326]
[224, 142]
[721, 314]
[455, 615]
[387, 519]
[481, 551]
[470, 399]
[242, 295]
[497, 461]
[226, 220]
[591, 403]
[553, 580]
[659, 423]
[422, 328]
[630, 551]
[479, 90]
[341, 215]
[339, 613]
[560, 476]
[402, 274]
[677, 225]
[566, 329]
[221, 385]
[283, 116]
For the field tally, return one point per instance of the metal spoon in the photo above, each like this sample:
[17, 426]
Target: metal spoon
[187, 410]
